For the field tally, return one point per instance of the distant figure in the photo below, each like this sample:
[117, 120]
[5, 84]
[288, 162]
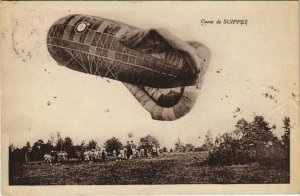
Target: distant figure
[47, 158]
[138, 155]
[163, 152]
[86, 155]
[142, 152]
[121, 155]
[153, 152]
[54, 156]
[129, 151]
[114, 153]
[164, 149]
[103, 155]
[133, 152]
[62, 156]
[92, 155]
[125, 153]
[171, 150]
[97, 155]
[117, 155]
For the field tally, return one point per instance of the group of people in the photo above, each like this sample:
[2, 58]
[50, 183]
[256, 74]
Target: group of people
[94, 155]
[126, 153]
[56, 157]
[61, 157]
[131, 152]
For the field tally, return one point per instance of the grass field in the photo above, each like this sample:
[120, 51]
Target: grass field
[177, 168]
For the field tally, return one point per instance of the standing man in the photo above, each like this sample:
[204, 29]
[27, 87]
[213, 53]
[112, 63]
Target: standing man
[103, 155]
[129, 151]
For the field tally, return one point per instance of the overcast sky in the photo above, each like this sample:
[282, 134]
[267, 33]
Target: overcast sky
[41, 97]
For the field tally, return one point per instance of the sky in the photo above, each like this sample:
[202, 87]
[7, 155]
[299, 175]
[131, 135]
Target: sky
[39, 97]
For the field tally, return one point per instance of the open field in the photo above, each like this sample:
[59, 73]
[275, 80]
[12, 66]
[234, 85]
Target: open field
[177, 168]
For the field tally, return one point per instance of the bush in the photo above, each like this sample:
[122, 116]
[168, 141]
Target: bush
[230, 152]
[274, 155]
[249, 143]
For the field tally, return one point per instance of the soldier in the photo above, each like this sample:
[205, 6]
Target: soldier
[103, 155]
[114, 153]
[47, 158]
[129, 151]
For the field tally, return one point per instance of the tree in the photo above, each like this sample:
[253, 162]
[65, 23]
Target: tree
[52, 140]
[59, 142]
[16, 155]
[113, 144]
[257, 135]
[11, 153]
[78, 151]
[179, 146]
[69, 147]
[48, 146]
[189, 147]
[260, 131]
[249, 142]
[241, 127]
[148, 142]
[208, 142]
[83, 144]
[92, 145]
[37, 150]
[285, 138]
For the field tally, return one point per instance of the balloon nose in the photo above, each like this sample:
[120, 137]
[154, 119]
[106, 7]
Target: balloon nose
[60, 26]
[57, 33]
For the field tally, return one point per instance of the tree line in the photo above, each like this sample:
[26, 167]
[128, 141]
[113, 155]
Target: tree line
[36, 152]
[249, 142]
